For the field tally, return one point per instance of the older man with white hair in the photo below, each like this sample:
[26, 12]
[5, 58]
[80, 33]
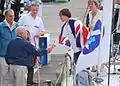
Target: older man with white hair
[19, 56]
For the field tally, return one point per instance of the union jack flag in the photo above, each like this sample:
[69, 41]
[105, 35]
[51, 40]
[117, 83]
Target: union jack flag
[79, 31]
[63, 40]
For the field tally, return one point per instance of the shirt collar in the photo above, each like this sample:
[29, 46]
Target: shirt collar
[7, 24]
[32, 16]
[20, 37]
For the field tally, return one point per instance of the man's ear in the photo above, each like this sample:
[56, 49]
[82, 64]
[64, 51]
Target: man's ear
[21, 33]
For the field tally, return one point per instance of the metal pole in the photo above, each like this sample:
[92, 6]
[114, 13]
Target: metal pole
[110, 48]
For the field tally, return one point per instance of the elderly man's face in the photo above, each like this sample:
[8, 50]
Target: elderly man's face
[10, 16]
[25, 34]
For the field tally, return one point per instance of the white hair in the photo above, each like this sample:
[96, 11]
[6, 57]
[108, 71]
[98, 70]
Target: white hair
[20, 29]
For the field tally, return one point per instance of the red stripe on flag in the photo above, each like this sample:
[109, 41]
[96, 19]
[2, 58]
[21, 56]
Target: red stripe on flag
[60, 39]
[84, 34]
[77, 29]
[67, 41]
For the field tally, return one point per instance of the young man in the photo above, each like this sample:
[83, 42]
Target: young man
[74, 30]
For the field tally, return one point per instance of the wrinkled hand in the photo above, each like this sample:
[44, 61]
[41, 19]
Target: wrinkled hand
[49, 50]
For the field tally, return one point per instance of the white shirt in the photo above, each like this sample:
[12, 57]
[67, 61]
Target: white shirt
[34, 26]
[7, 24]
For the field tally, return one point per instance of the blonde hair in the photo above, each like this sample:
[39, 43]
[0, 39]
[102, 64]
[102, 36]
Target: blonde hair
[97, 4]
[35, 3]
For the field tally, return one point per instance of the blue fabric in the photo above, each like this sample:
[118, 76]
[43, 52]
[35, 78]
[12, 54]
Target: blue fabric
[6, 35]
[21, 52]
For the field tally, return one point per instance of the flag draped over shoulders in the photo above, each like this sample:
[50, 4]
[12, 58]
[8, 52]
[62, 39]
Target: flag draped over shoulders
[92, 48]
[78, 30]
[63, 40]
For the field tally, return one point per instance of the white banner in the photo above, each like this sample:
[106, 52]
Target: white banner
[96, 50]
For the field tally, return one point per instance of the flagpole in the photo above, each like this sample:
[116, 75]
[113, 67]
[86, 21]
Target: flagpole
[109, 64]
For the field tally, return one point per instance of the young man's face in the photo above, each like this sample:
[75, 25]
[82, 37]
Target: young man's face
[62, 18]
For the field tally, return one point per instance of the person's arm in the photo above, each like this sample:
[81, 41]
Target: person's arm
[32, 50]
[63, 34]
[40, 34]
[50, 47]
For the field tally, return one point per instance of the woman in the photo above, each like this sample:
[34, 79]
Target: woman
[94, 14]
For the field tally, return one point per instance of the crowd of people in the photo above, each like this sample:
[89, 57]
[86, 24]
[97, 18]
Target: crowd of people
[19, 37]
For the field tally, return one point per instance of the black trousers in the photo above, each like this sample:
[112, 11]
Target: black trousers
[30, 74]
[76, 55]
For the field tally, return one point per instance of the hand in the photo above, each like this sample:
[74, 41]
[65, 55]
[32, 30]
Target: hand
[50, 48]
[39, 34]
[90, 26]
